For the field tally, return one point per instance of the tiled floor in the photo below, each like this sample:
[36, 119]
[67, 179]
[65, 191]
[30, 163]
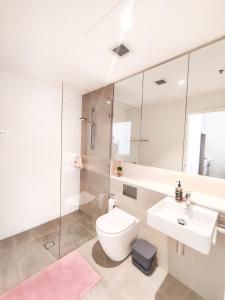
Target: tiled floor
[122, 281]
[24, 254]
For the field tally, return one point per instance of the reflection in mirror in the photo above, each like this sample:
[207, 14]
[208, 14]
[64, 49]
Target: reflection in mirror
[127, 119]
[205, 138]
[163, 115]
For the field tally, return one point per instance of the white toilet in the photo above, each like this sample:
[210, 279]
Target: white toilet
[116, 231]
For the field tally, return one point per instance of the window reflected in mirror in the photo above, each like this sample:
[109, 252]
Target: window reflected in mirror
[121, 139]
[206, 144]
[205, 129]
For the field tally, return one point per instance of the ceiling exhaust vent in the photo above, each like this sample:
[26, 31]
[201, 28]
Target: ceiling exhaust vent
[121, 50]
[161, 81]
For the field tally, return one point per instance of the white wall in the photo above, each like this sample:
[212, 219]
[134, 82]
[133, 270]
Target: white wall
[30, 152]
[214, 101]
[194, 139]
[163, 126]
[209, 186]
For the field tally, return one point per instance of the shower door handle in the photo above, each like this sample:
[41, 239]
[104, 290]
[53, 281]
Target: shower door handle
[92, 142]
[92, 125]
[92, 137]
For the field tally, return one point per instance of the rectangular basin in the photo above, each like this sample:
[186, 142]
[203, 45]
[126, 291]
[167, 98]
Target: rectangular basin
[197, 231]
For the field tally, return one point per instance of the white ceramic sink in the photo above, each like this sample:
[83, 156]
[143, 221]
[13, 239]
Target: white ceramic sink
[199, 227]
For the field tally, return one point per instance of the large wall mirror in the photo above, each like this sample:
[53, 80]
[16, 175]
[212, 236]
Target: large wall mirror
[149, 116]
[205, 127]
[163, 115]
[173, 116]
[126, 130]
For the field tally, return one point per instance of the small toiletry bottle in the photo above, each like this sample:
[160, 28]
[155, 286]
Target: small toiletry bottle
[179, 192]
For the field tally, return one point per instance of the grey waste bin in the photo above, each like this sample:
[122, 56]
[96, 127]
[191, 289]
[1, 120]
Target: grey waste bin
[144, 256]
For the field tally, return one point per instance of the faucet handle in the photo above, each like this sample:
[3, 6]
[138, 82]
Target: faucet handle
[187, 194]
[188, 198]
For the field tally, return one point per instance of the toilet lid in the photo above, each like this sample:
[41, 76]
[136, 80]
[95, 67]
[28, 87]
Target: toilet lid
[115, 221]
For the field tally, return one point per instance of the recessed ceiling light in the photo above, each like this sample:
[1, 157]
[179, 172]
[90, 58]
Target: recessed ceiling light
[109, 102]
[181, 82]
[126, 17]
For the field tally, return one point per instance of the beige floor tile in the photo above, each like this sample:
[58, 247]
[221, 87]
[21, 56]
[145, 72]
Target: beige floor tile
[87, 222]
[160, 296]
[24, 254]
[194, 296]
[9, 275]
[107, 269]
[5, 245]
[174, 289]
[70, 218]
[32, 258]
[52, 236]
[97, 294]
[23, 238]
[132, 284]
[72, 236]
[46, 228]
[120, 280]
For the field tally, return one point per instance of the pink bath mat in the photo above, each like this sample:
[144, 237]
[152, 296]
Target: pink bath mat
[69, 278]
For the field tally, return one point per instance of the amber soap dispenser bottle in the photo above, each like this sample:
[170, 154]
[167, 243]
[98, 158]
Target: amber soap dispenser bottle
[178, 192]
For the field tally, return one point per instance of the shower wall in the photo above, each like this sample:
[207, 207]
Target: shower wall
[96, 151]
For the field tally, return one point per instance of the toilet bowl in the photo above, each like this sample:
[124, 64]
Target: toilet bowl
[116, 231]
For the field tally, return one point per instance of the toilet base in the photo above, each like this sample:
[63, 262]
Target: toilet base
[118, 246]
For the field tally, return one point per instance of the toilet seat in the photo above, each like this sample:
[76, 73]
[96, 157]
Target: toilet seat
[114, 222]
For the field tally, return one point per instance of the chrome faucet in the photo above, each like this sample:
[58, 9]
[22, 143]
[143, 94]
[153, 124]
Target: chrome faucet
[187, 200]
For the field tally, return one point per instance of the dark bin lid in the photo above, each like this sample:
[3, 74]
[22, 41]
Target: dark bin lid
[144, 248]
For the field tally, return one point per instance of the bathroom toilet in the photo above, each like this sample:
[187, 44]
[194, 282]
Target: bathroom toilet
[116, 232]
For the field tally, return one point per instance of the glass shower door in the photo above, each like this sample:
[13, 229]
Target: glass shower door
[86, 140]
[30, 126]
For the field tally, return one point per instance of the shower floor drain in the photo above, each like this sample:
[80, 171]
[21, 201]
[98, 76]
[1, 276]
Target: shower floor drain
[49, 244]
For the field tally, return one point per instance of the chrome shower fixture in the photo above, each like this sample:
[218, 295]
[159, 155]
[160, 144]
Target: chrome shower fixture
[92, 125]
[83, 119]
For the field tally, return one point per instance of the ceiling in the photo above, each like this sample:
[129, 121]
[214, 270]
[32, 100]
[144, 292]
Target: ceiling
[71, 40]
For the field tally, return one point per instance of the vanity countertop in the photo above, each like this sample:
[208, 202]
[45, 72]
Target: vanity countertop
[214, 203]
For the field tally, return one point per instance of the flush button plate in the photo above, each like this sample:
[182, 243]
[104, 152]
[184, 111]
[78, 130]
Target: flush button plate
[130, 191]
